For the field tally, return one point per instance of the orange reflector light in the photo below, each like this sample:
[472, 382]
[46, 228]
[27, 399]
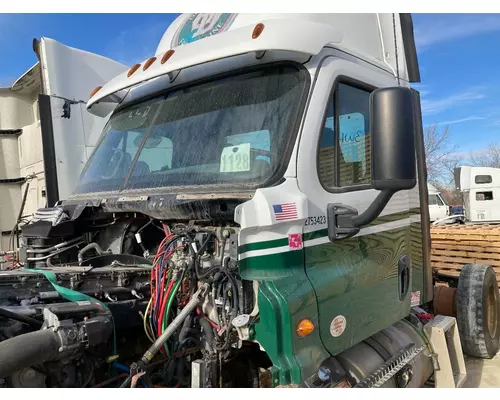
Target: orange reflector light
[304, 327]
[257, 31]
[95, 90]
[167, 55]
[148, 63]
[133, 69]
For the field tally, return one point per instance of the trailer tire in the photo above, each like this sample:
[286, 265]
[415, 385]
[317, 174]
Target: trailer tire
[478, 311]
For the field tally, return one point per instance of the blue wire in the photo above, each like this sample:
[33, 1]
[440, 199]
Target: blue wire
[120, 366]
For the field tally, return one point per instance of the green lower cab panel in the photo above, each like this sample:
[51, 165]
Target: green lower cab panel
[357, 286]
[285, 298]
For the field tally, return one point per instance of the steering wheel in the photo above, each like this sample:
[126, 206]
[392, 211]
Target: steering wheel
[115, 161]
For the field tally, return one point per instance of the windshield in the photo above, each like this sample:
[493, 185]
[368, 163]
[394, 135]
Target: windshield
[229, 131]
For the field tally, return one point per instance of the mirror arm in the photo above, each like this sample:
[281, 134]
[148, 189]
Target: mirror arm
[370, 214]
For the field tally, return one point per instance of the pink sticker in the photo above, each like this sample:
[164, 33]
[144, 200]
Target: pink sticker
[415, 299]
[295, 241]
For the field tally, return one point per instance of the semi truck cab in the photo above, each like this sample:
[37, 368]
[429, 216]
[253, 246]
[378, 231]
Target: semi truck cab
[270, 170]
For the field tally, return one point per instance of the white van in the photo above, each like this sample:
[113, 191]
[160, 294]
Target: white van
[438, 208]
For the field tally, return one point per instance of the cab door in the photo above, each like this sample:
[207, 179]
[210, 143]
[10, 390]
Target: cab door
[362, 282]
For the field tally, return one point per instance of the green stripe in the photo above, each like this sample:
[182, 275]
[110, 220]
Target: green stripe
[315, 234]
[270, 244]
[263, 245]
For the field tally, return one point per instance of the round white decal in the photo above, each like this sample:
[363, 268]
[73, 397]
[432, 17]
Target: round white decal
[337, 327]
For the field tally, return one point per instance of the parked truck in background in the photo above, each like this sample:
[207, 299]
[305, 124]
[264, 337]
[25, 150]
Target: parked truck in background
[438, 208]
[254, 214]
[46, 134]
[480, 189]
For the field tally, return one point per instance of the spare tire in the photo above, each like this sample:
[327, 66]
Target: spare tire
[478, 311]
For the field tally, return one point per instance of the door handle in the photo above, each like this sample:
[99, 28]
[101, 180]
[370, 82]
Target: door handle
[403, 276]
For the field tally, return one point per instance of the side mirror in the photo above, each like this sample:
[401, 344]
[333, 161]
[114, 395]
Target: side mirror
[393, 158]
[393, 139]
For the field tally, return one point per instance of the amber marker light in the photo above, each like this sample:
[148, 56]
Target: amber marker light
[167, 56]
[305, 327]
[95, 91]
[257, 31]
[132, 70]
[148, 63]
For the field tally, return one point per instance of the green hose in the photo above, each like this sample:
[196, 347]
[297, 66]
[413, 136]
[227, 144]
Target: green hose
[74, 296]
[169, 306]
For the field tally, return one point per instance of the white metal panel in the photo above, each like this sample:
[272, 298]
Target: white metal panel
[465, 178]
[30, 146]
[29, 82]
[10, 195]
[15, 110]
[69, 146]
[4, 244]
[9, 163]
[361, 33]
[73, 73]
[35, 198]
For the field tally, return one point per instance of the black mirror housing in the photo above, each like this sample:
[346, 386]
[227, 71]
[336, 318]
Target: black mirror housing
[392, 136]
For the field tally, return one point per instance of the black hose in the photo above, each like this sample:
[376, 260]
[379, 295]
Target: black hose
[34, 323]
[199, 274]
[26, 350]
[202, 248]
[88, 247]
[185, 328]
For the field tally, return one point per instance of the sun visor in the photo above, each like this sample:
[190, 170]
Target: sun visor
[271, 35]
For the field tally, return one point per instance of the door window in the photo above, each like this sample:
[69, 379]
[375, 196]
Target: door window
[344, 150]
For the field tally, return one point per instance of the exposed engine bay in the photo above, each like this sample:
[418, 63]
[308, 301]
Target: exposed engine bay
[100, 299]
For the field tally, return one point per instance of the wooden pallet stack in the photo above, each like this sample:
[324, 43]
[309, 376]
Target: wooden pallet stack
[455, 245]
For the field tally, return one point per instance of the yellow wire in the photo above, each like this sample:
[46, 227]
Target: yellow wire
[145, 321]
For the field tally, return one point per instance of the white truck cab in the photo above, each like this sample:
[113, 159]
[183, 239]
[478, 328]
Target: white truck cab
[46, 134]
[438, 208]
[480, 187]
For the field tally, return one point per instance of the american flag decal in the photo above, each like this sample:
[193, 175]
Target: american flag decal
[285, 212]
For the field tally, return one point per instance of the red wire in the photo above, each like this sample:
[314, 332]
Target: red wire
[212, 323]
[153, 283]
[163, 305]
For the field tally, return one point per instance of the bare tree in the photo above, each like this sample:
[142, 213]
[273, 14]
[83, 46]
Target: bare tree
[486, 158]
[439, 154]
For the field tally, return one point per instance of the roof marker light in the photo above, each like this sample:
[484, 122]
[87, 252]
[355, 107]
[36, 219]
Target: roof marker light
[257, 31]
[133, 69]
[148, 63]
[95, 91]
[167, 56]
